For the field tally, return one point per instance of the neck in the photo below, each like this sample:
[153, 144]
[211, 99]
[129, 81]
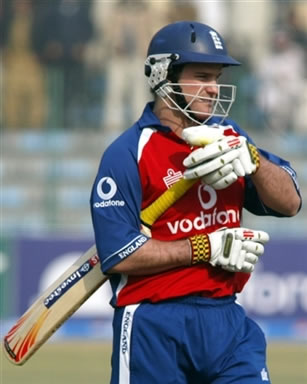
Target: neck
[175, 120]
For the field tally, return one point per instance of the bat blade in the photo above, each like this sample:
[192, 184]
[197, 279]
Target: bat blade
[73, 288]
[54, 307]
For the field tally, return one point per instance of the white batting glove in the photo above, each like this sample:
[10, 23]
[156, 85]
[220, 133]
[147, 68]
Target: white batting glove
[221, 163]
[202, 135]
[235, 250]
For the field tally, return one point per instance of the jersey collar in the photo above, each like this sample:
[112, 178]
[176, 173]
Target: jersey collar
[149, 119]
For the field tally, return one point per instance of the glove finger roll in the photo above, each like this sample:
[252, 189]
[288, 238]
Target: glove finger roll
[218, 174]
[238, 167]
[247, 267]
[210, 166]
[253, 246]
[211, 151]
[225, 181]
[251, 258]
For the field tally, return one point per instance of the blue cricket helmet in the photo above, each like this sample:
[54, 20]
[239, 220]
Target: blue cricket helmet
[187, 42]
[191, 42]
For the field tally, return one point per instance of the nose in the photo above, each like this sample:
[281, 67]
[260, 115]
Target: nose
[212, 88]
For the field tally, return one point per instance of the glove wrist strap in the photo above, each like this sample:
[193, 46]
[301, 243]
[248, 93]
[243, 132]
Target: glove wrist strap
[254, 156]
[200, 247]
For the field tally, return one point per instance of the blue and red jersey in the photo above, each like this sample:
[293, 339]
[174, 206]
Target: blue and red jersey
[134, 171]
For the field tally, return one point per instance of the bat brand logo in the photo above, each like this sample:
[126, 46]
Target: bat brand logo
[62, 288]
[86, 267]
[68, 283]
[112, 188]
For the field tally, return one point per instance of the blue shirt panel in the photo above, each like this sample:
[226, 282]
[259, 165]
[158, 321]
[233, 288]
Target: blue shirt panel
[116, 219]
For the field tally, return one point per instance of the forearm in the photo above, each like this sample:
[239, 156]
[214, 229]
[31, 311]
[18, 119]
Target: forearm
[275, 188]
[154, 257]
[232, 249]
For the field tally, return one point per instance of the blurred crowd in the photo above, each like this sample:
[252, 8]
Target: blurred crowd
[76, 64]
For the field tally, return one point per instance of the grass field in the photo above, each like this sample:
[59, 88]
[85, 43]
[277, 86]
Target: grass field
[82, 362]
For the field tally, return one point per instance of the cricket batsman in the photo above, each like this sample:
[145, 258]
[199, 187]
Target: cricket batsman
[176, 319]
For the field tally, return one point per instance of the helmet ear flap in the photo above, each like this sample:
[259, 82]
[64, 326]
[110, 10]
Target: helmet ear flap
[152, 61]
[147, 70]
[156, 69]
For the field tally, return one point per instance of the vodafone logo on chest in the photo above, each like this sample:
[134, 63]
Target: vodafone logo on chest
[207, 196]
[209, 216]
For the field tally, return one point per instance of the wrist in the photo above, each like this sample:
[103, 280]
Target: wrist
[200, 249]
[254, 154]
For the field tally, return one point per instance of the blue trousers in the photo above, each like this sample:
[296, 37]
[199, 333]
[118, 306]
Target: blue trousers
[188, 340]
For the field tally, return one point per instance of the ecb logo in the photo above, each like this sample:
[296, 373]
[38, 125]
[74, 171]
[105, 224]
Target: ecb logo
[216, 40]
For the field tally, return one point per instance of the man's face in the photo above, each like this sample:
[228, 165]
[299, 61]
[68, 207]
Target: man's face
[201, 80]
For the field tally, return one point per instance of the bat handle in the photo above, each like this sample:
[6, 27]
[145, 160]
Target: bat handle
[150, 214]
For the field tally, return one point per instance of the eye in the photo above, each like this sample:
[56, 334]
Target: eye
[207, 76]
[202, 76]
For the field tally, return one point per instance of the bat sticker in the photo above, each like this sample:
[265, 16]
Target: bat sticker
[71, 281]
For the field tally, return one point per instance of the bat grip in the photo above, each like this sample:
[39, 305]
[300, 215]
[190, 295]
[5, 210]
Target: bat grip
[150, 214]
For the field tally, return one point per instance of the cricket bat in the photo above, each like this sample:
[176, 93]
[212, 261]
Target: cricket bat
[62, 299]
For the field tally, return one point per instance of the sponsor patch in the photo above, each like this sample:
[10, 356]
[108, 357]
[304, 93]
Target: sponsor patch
[106, 190]
[109, 203]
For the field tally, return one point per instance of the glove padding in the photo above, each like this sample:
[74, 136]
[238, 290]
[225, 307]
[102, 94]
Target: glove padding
[202, 135]
[219, 164]
[237, 249]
